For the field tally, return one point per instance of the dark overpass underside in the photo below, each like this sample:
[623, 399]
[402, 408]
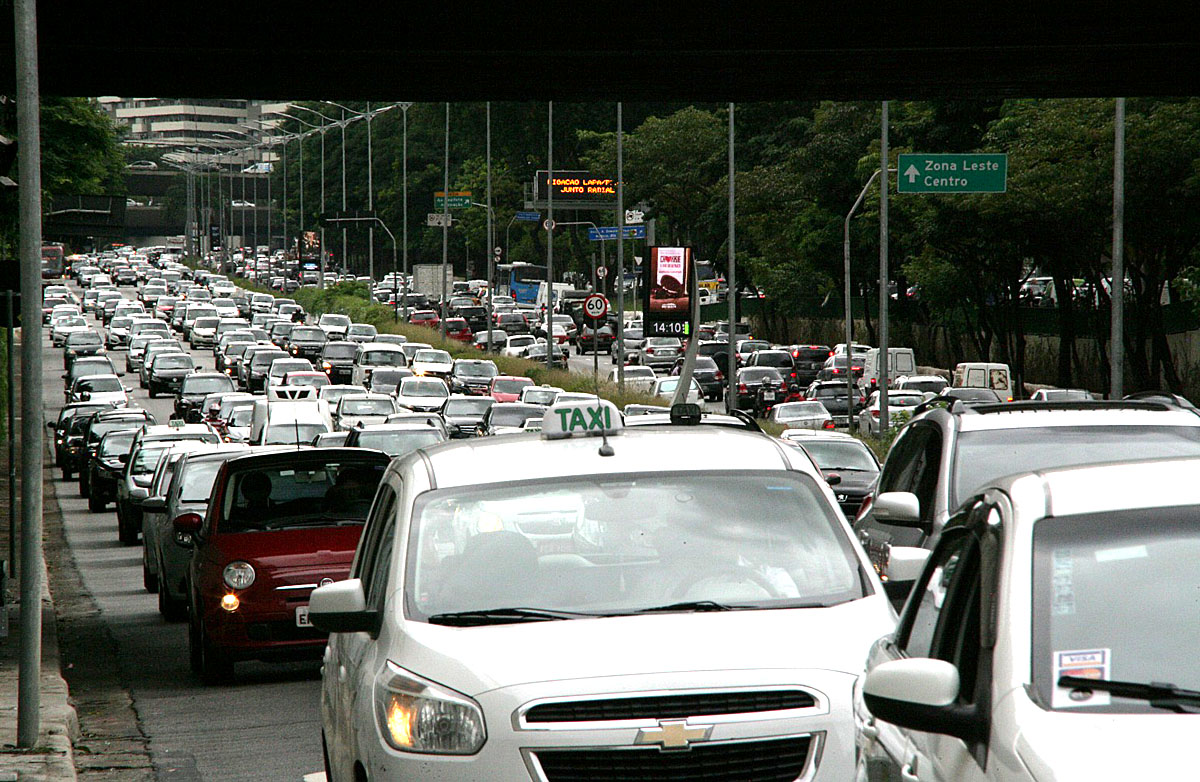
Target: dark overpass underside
[470, 50]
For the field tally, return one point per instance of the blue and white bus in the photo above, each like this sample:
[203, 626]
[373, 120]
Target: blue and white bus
[523, 280]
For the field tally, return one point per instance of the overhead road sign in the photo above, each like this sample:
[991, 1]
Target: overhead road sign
[574, 186]
[529, 217]
[459, 199]
[348, 215]
[956, 173]
[438, 220]
[608, 233]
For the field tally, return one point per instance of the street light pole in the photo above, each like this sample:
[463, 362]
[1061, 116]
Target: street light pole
[491, 239]
[404, 107]
[445, 221]
[620, 281]
[846, 270]
[549, 234]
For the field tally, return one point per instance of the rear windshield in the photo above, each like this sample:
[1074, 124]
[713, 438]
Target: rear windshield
[811, 354]
[307, 334]
[383, 358]
[338, 351]
[433, 357]
[511, 415]
[116, 444]
[174, 361]
[206, 385]
[99, 384]
[301, 495]
[474, 406]
[366, 407]
[418, 387]
[399, 443]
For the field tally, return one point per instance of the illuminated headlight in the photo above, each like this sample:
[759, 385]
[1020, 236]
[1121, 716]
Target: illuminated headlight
[416, 715]
[238, 575]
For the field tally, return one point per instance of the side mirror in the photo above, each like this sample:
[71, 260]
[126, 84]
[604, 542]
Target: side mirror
[904, 564]
[138, 495]
[341, 607]
[84, 396]
[901, 508]
[919, 693]
[186, 526]
[51, 425]
[123, 458]
[154, 504]
[833, 479]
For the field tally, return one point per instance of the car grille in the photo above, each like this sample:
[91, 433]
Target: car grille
[670, 706]
[777, 760]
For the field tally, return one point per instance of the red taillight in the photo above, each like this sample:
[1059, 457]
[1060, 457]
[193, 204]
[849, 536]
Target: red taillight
[856, 369]
[719, 375]
[874, 413]
[742, 388]
[783, 386]
[828, 424]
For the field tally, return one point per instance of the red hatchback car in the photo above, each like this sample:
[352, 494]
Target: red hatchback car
[278, 525]
[427, 318]
[507, 388]
[457, 328]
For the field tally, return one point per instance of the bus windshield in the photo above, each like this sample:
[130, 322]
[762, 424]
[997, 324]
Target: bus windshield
[523, 282]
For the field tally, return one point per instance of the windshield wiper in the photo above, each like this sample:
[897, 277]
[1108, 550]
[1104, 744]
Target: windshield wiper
[1159, 695]
[690, 605]
[489, 616]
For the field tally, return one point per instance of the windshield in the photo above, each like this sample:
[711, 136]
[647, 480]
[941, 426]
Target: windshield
[622, 544]
[241, 416]
[206, 323]
[475, 370]
[334, 320]
[99, 385]
[116, 444]
[300, 496]
[794, 410]
[512, 415]
[1105, 586]
[316, 380]
[474, 406]
[418, 387]
[293, 434]
[399, 443]
[206, 385]
[840, 456]
[367, 407]
[539, 396]
[510, 386]
[309, 334]
[383, 358]
[433, 357]
[339, 351]
[83, 339]
[363, 329]
[985, 456]
[173, 361]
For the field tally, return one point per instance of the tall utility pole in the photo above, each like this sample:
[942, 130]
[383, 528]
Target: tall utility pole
[343, 123]
[550, 237]
[619, 288]
[29, 159]
[731, 373]
[1116, 382]
[371, 205]
[885, 422]
[445, 221]
[404, 107]
[491, 239]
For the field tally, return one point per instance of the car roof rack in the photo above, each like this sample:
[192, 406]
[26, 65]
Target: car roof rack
[1097, 404]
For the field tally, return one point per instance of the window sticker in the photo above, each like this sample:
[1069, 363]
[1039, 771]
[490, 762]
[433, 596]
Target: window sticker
[1085, 663]
[1117, 554]
[1064, 583]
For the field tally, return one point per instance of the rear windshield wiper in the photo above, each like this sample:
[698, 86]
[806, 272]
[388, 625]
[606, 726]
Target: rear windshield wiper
[1159, 695]
[489, 616]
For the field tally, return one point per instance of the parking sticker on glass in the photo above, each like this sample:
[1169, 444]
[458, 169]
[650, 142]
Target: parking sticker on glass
[1086, 664]
[1064, 583]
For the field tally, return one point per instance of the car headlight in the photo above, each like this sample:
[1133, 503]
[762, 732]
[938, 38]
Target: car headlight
[238, 575]
[416, 715]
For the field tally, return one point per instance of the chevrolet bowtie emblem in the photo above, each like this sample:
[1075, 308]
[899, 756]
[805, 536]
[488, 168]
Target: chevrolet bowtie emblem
[673, 734]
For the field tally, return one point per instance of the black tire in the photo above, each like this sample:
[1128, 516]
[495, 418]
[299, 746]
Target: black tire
[84, 487]
[96, 503]
[149, 580]
[67, 473]
[325, 758]
[173, 610]
[206, 660]
[126, 532]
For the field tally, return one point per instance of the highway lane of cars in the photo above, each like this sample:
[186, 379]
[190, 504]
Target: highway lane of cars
[569, 568]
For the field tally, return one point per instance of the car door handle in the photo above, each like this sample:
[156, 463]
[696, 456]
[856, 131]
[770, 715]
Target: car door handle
[869, 730]
[909, 772]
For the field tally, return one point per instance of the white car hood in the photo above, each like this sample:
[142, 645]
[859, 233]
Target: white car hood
[477, 659]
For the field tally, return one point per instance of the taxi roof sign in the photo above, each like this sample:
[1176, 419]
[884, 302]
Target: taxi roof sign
[584, 418]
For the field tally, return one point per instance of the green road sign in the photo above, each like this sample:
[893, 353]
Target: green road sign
[458, 200]
[966, 173]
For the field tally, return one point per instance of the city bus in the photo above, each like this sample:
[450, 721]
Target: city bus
[707, 277]
[523, 280]
[52, 260]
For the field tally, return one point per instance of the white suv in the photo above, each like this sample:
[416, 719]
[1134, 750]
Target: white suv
[1051, 635]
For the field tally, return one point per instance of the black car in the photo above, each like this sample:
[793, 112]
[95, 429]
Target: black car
[472, 376]
[512, 323]
[834, 368]
[98, 426]
[307, 342]
[105, 468]
[62, 425]
[79, 344]
[337, 360]
[809, 360]
[779, 359]
[748, 382]
[849, 466]
[167, 372]
[195, 388]
[126, 276]
[707, 373]
[833, 394]
[395, 439]
[595, 339]
[499, 339]
[476, 317]
[464, 415]
[537, 352]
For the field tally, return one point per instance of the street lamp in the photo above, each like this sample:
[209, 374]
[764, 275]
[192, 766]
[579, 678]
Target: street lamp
[404, 107]
[321, 128]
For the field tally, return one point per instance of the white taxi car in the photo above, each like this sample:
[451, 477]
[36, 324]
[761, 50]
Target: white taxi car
[590, 602]
[1051, 636]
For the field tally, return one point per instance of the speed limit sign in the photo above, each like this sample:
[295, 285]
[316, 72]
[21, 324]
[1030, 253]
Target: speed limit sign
[602, 272]
[595, 306]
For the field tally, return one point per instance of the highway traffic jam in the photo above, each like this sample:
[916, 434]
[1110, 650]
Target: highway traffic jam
[508, 581]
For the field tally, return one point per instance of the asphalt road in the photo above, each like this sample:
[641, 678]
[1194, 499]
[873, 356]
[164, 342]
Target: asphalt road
[266, 726]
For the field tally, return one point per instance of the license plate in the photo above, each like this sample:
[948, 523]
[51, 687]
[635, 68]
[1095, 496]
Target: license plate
[302, 617]
[769, 396]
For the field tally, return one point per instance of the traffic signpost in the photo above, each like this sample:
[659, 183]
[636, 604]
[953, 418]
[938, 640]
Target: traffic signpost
[942, 173]
[608, 233]
[459, 199]
[438, 220]
[529, 217]
[595, 307]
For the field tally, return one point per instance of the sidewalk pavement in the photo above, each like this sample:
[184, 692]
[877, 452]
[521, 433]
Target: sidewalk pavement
[53, 757]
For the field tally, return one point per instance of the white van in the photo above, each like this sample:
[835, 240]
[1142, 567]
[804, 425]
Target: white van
[540, 302]
[901, 362]
[981, 374]
[288, 422]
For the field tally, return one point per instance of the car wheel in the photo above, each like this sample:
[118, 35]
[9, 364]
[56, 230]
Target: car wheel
[153, 393]
[149, 580]
[172, 610]
[83, 483]
[96, 503]
[67, 473]
[205, 659]
[126, 532]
